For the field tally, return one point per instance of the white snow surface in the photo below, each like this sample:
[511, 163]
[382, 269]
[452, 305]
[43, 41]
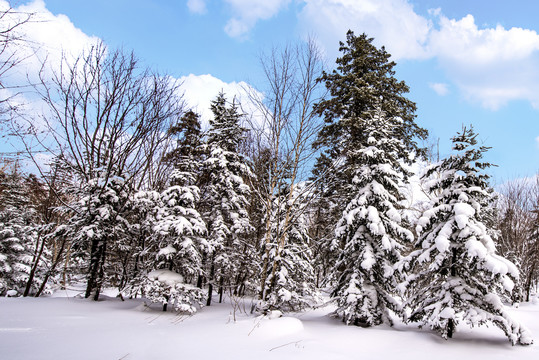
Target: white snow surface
[167, 277]
[75, 328]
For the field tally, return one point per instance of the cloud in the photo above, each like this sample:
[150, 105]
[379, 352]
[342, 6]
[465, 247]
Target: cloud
[441, 89]
[393, 23]
[197, 6]
[490, 66]
[537, 141]
[248, 12]
[200, 90]
[47, 37]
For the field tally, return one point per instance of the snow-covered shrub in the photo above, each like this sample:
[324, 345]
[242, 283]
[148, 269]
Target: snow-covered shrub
[168, 288]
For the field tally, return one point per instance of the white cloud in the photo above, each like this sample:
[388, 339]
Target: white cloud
[441, 89]
[537, 141]
[47, 37]
[393, 23]
[197, 6]
[489, 66]
[200, 90]
[248, 12]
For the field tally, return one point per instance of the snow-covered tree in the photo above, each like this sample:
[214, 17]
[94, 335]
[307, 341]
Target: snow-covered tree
[168, 288]
[370, 232]
[98, 226]
[457, 275]
[291, 284]
[18, 233]
[226, 195]
[179, 228]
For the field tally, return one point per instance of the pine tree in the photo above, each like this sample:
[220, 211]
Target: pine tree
[226, 196]
[370, 231]
[457, 274]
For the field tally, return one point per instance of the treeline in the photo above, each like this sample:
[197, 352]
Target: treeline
[304, 192]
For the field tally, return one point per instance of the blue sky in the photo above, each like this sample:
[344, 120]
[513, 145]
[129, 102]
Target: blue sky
[466, 62]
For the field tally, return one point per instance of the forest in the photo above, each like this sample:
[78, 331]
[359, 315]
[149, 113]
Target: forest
[323, 182]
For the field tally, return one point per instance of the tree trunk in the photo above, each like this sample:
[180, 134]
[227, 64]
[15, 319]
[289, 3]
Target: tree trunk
[93, 269]
[450, 328]
[210, 285]
[52, 268]
[101, 271]
[221, 290]
[36, 259]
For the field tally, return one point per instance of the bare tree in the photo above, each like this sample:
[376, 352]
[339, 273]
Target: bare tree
[518, 207]
[284, 131]
[107, 118]
[11, 42]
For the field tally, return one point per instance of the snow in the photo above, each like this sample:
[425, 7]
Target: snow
[167, 277]
[69, 327]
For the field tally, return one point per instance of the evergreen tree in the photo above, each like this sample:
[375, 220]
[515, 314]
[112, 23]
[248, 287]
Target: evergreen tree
[187, 155]
[457, 275]
[226, 196]
[179, 228]
[98, 227]
[18, 233]
[370, 231]
[362, 84]
[291, 279]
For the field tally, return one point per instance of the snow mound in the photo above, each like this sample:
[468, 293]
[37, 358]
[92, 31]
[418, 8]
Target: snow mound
[167, 277]
[276, 327]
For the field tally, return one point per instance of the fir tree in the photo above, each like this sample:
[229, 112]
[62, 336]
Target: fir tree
[370, 231]
[457, 275]
[226, 195]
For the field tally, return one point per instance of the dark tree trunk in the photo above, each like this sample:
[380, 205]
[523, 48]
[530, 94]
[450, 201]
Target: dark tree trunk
[93, 269]
[51, 270]
[101, 271]
[221, 290]
[35, 263]
[166, 303]
[450, 328]
[210, 285]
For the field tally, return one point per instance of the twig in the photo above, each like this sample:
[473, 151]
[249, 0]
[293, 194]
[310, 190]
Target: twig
[290, 343]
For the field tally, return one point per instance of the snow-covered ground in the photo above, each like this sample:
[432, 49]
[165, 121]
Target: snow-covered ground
[74, 328]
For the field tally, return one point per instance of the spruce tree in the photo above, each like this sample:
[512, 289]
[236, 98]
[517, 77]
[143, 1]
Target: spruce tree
[364, 82]
[226, 196]
[457, 275]
[361, 85]
[371, 232]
